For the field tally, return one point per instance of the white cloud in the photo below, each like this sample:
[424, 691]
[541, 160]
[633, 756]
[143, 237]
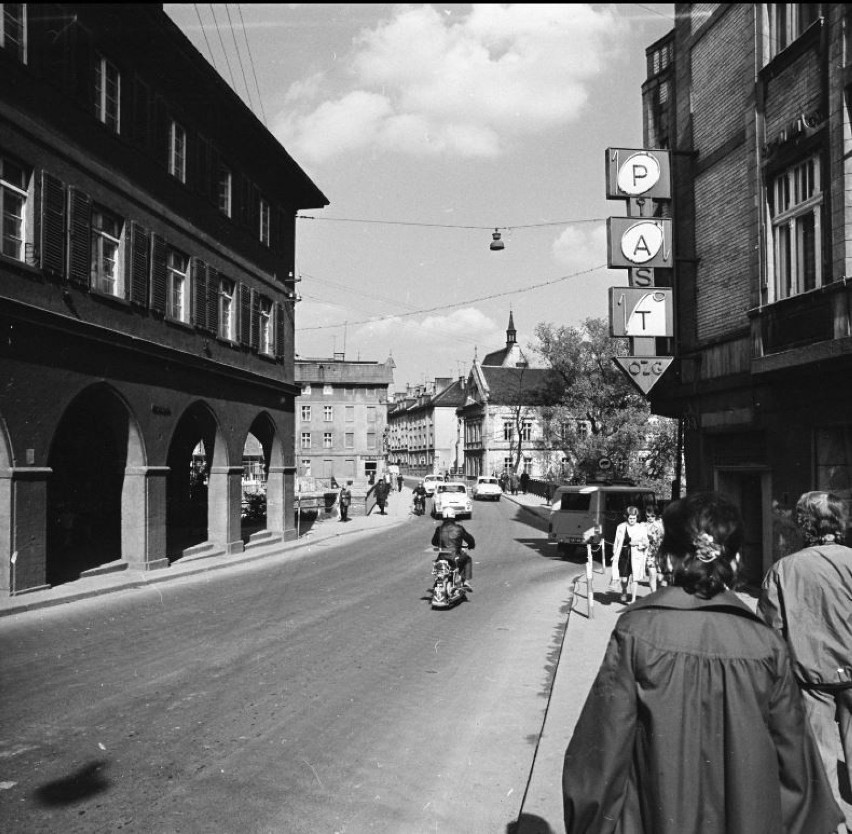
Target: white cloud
[468, 325]
[467, 84]
[580, 247]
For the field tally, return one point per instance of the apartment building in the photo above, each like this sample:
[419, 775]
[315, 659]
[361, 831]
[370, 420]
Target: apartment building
[146, 297]
[753, 100]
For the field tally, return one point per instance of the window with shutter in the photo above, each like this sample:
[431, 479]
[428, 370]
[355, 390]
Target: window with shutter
[178, 289]
[52, 243]
[107, 93]
[280, 331]
[13, 30]
[227, 310]
[107, 274]
[159, 275]
[136, 264]
[245, 315]
[199, 293]
[13, 205]
[212, 300]
[255, 319]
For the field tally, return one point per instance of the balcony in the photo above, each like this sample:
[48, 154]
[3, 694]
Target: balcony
[809, 326]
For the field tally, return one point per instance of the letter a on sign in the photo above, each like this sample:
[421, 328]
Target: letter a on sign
[634, 242]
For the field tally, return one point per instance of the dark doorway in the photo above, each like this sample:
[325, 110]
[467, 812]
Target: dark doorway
[189, 460]
[88, 458]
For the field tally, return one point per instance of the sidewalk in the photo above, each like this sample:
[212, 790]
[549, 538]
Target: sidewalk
[584, 643]
[398, 511]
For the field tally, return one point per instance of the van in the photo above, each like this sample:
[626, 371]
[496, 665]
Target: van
[577, 510]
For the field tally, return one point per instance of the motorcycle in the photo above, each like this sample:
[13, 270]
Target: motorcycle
[447, 588]
[419, 504]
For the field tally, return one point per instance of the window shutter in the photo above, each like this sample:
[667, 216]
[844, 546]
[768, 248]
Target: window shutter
[245, 315]
[198, 270]
[280, 330]
[136, 262]
[52, 241]
[255, 319]
[79, 237]
[163, 125]
[159, 275]
[203, 178]
[212, 300]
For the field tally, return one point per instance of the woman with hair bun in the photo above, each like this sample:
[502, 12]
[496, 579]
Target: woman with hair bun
[694, 724]
[807, 597]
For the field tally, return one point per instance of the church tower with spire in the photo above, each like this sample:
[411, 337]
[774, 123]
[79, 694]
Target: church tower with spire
[510, 356]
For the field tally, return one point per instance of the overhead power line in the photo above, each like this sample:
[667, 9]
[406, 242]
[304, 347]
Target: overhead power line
[450, 225]
[239, 56]
[204, 32]
[251, 63]
[447, 306]
[224, 51]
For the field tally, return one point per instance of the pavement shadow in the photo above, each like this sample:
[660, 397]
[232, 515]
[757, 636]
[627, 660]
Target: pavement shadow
[84, 783]
[550, 551]
[529, 824]
[530, 517]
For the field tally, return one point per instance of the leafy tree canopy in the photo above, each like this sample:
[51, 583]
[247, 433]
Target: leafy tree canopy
[600, 414]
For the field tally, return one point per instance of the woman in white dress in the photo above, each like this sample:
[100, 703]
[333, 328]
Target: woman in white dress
[629, 552]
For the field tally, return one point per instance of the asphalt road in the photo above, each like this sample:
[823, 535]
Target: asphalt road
[317, 693]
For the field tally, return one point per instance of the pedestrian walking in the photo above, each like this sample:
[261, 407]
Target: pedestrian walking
[694, 722]
[345, 500]
[654, 529]
[524, 481]
[806, 597]
[629, 553]
[513, 483]
[382, 491]
[399, 483]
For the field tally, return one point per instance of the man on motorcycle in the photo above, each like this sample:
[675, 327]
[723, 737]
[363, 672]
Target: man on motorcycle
[450, 536]
[419, 493]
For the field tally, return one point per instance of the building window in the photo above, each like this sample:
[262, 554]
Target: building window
[306, 467]
[106, 253]
[349, 439]
[507, 464]
[370, 393]
[583, 428]
[371, 440]
[177, 152]
[306, 440]
[225, 185]
[306, 388]
[306, 413]
[349, 393]
[327, 437]
[371, 414]
[264, 326]
[526, 430]
[327, 390]
[178, 286]
[107, 94]
[227, 317]
[264, 222]
[787, 22]
[350, 413]
[508, 429]
[13, 30]
[796, 210]
[327, 413]
[13, 203]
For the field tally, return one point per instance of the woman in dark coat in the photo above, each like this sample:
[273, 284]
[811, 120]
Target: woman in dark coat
[694, 724]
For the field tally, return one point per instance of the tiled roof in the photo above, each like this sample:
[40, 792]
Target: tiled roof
[342, 372]
[452, 396]
[516, 386]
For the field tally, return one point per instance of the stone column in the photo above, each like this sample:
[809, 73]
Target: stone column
[276, 514]
[224, 507]
[290, 531]
[23, 529]
[143, 517]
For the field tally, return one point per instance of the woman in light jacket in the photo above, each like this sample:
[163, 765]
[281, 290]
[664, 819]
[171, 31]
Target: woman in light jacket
[629, 552]
[694, 724]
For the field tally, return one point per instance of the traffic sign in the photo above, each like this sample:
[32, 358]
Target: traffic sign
[638, 312]
[638, 173]
[643, 371]
[634, 242]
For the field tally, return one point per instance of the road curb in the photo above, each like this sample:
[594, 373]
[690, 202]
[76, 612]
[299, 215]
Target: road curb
[203, 566]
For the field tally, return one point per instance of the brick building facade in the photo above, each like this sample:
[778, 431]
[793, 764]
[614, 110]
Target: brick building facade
[146, 297]
[753, 101]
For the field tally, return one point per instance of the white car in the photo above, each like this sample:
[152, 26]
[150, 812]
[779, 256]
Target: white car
[452, 494]
[429, 483]
[487, 489]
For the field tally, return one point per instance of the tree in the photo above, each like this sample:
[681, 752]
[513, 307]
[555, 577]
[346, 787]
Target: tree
[600, 416]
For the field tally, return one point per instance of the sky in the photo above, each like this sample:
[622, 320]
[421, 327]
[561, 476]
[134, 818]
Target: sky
[427, 127]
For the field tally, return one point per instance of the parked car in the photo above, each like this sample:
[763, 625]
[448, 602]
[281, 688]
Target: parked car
[429, 483]
[452, 494]
[487, 489]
